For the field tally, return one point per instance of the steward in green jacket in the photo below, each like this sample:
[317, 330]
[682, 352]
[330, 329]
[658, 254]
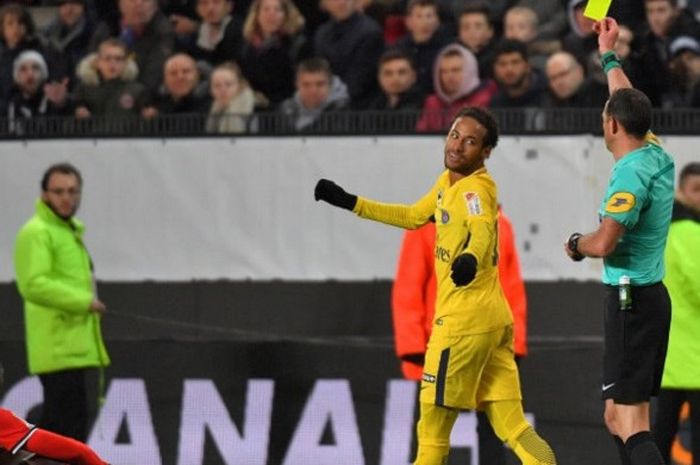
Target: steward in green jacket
[61, 309]
[55, 280]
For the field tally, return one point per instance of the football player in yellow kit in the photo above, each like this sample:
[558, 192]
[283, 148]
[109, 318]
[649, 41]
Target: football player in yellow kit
[469, 362]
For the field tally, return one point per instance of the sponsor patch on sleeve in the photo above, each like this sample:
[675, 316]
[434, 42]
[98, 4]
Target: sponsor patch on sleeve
[620, 202]
[473, 203]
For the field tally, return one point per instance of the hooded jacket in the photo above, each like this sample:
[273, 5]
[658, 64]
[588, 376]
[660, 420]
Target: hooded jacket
[682, 370]
[439, 109]
[54, 277]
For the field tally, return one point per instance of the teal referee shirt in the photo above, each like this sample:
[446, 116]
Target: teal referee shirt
[640, 197]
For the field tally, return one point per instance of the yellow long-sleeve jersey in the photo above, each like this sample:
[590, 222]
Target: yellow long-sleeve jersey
[465, 215]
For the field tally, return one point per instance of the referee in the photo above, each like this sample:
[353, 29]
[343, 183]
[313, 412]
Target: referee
[469, 362]
[631, 237]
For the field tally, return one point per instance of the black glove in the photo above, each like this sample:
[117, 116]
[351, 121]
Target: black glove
[417, 359]
[332, 193]
[572, 243]
[463, 269]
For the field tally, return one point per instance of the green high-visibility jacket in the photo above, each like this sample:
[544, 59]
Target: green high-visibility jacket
[682, 370]
[54, 277]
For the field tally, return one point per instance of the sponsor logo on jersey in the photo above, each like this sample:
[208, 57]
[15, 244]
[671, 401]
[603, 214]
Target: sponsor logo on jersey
[620, 202]
[444, 217]
[442, 254]
[428, 378]
[473, 203]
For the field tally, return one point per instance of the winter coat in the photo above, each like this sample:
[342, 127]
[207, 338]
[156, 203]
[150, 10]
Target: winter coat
[234, 118]
[682, 256]
[121, 97]
[55, 280]
[227, 46]
[269, 67]
[439, 108]
[305, 119]
[352, 47]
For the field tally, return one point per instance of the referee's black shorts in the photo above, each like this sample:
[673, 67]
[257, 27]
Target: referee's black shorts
[635, 344]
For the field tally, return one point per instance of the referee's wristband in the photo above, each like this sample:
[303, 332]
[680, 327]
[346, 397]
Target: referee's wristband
[609, 60]
[573, 246]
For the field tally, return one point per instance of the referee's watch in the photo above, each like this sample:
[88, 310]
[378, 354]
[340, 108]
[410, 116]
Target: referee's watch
[573, 246]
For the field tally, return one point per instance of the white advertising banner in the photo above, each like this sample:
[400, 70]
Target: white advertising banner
[220, 208]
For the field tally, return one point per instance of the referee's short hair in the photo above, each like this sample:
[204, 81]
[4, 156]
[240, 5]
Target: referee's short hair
[486, 119]
[631, 108]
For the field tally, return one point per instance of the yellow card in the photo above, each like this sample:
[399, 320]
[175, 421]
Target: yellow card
[597, 9]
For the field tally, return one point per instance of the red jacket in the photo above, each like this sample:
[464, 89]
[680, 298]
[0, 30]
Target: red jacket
[16, 434]
[413, 294]
[437, 114]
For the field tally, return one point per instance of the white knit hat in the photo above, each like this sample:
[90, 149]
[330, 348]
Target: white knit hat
[33, 56]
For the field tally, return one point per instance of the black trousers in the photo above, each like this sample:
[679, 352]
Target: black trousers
[65, 403]
[668, 409]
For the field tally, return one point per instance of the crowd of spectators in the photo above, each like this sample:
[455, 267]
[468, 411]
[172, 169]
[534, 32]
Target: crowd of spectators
[233, 62]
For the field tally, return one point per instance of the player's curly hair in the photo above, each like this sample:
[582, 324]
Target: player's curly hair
[486, 119]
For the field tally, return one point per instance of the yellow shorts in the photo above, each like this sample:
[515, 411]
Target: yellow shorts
[464, 371]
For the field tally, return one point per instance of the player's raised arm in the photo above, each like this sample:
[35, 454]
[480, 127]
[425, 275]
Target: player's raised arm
[608, 32]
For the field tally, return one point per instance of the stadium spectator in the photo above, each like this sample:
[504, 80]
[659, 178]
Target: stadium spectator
[581, 41]
[233, 100]
[519, 85]
[684, 89]
[319, 96]
[148, 34]
[397, 81]
[184, 19]
[568, 85]
[666, 21]
[400, 100]
[183, 91]
[551, 17]
[521, 23]
[475, 32]
[219, 36]
[108, 85]
[62, 312]
[424, 40]
[69, 34]
[352, 44]
[17, 34]
[274, 44]
[681, 379]
[457, 85]
[31, 96]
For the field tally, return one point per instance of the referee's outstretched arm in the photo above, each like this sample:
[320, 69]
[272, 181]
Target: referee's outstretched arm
[608, 32]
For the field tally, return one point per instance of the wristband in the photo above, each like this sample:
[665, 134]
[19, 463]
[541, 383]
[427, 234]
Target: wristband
[573, 246]
[609, 61]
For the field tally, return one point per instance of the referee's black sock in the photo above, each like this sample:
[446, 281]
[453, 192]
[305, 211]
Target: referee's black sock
[622, 450]
[643, 450]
